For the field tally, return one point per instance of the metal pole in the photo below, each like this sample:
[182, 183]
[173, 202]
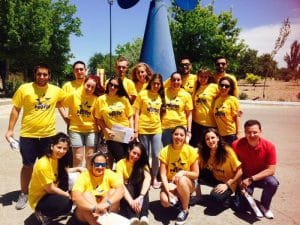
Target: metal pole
[110, 2]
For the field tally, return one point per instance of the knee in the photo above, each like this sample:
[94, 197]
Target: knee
[272, 182]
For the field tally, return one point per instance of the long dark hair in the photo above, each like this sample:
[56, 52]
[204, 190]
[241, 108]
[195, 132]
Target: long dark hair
[137, 175]
[161, 91]
[64, 162]
[121, 90]
[204, 150]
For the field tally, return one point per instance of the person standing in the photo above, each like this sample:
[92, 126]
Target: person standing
[38, 100]
[258, 158]
[121, 68]
[227, 111]
[188, 79]
[79, 71]
[140, 75]
[221, 64]
[203, 101]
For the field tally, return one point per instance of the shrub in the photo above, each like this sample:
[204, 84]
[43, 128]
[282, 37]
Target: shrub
[243, 96]
[252, 78]
[11, 87]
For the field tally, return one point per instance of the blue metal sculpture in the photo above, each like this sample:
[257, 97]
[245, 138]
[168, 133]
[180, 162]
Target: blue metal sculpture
[157, 49]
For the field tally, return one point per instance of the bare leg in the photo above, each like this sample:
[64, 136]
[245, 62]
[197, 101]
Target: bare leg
[26, 172]
[88, 154]
[184, 189]
[78, 156]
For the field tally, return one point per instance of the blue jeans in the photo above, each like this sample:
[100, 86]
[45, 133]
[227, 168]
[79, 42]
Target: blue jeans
[153, 142]
[167, 136]
[268, 184]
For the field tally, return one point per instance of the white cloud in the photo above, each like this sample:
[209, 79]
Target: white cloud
[263, 39]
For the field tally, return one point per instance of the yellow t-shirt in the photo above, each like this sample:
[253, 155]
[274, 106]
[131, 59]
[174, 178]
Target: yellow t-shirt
[236, 90]
[81, 109]
[225, 171]
[203, 100]
[188, 83]
[225, 111]
[177, 102]
[140, 87]
[71, 86]
[177, 160]
[149, 104]
[114, 110]
[44, 173]
[38, 105]
[98, 186]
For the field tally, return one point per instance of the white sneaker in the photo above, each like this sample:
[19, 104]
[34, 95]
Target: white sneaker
[267, 212]
[134, 221]
[144, 220]
[22, 201]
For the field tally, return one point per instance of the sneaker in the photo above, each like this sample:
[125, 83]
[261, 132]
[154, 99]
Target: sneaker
[195, 200]
[181, 217]
[144, 220]
[44, 220]
[134, 221]
[267, 212]
[22, 201]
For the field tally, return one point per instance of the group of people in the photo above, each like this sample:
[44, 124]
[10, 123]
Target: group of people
[189, 125]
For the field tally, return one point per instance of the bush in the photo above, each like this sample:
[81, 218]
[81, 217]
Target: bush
[243, 96]
[11, 87]
[252, 78]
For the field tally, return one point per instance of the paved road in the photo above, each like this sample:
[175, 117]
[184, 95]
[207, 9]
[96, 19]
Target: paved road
[280, 125]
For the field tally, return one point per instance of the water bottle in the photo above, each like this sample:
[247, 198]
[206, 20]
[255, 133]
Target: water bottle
[173, 200]
[14, 144]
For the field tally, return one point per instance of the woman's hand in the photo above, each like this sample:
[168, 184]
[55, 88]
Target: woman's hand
[136, 204]
[221, 188]
[110, 133]
[178, 175]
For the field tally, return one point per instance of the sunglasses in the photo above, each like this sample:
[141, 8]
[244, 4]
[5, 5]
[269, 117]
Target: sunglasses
[184, 64]
[98, 164]
[223, 64]
[114, 85]
[225, 86]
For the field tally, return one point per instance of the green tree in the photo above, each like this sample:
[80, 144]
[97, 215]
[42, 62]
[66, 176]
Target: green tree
[203, 35]
[130, 51]
[248, 62]
[293, 59]
[36, 31]
[252, 78]
[94, 62]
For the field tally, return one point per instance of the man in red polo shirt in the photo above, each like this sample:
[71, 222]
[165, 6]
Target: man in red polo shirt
[258, 157]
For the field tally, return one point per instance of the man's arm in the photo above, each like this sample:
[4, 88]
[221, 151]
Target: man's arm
[14, 115]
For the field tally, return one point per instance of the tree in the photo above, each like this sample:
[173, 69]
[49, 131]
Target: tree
[130, 51]
[203, 35]
[293, 59]
[36, 31]
[248, 62]
[252, 78]
[94, 62]
[284, 32]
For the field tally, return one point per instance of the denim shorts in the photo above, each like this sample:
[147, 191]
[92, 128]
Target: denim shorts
[33, 148]
[79, 139]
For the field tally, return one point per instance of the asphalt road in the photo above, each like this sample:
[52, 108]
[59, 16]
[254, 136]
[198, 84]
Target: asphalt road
[281, 125]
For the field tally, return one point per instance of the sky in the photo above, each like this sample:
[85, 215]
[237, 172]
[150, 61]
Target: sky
[259, 20]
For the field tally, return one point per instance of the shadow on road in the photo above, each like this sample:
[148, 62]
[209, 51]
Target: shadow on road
[164, 215]
[8, 198]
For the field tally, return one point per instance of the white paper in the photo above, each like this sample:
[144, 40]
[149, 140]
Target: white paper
[122, 134]
[112, 219]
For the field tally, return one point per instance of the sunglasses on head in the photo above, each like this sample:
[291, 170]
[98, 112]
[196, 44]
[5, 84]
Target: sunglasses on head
[224, 85]
[98, 164]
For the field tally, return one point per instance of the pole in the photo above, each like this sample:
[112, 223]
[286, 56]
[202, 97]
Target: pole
[110, 2]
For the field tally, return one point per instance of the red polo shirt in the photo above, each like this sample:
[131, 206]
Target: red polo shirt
[254, 159]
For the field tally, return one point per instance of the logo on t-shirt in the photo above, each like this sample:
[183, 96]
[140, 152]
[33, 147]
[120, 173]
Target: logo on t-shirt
[42, 103]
